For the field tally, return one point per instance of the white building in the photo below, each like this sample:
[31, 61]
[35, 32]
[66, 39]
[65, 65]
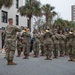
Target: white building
[6, 13]
[73, 12]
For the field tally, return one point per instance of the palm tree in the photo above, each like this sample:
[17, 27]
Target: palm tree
[48, 12]
[60, 24]
[70, 24]
[31, 8]
[6, 3]
[1, 3]
[39, 22]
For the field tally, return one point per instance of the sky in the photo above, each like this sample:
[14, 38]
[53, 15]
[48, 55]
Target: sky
[62, 7]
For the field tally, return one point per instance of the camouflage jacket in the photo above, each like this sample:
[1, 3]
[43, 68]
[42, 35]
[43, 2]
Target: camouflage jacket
[10, 32]
[62, 39]
[10, 35]
[56, 38]
[26, 37]
[48, 38]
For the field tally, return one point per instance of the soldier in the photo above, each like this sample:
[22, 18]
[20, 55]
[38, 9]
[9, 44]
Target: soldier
[19, 44]
[31, 44]
[10, 41]
[26, 43]
[62, 43]
[36, 44]
[48, 44]
[3, 38]
[55, 38]
[42, 44]
[71, 45]
[66, 40]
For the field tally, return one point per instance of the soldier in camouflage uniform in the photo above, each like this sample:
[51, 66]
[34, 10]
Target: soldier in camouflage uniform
[10, 41]
[36, 44]
[26, 43]
[55, 38]
[48, 44]
[71, 45]
[19, 44]
[62, 43]
[66, 40]
[42, 44]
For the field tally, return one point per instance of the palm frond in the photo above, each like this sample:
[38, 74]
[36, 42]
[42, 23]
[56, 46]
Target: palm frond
[1, 3]
[8, 3]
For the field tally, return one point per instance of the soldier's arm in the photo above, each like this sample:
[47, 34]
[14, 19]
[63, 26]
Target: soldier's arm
[44, 36]
[22, 35]
[52, 37]
[17, 29]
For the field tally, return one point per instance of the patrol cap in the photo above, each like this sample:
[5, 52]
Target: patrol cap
[55, 29]
[60, 31]
[48, 28]
[71, 30]
[10, 19]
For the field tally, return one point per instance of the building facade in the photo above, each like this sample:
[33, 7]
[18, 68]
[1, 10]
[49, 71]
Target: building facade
[6, 13]
[73, 13]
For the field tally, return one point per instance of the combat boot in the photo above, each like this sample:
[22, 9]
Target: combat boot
[13, 63]
[35, 56]
[26, 57]
[46, 57]
[18, 56]
[55, 57]
[9, 63]
[50, 58]
[42, 55]
[61, 55]
[71, 59]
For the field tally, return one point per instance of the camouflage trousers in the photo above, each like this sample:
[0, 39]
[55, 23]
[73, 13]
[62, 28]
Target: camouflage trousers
[10, 46]
[36, 49]
[10, 55]
[19, 49]
[66, 50]
[62, 48]
[72, 51]
[55, 51]
[48, 50]
[42, 50]
[26, 47]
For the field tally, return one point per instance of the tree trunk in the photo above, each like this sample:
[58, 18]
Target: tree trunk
[46, 21]
[30, 23]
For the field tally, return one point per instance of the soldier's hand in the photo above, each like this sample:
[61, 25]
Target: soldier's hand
[18, 26]
[4, 49]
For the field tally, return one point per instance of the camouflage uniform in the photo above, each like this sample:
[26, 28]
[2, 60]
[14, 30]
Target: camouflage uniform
[62, 44]
[48, 44]
[66, 40]
[19, 44]
[10, 41]
[55, 44]
[36, 45]
[71, 46]
[42, 45]
[26, 44]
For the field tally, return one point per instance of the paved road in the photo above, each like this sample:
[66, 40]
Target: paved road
[37, 66]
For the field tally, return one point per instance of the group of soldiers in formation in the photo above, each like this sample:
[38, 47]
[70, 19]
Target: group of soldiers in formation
[50, 43]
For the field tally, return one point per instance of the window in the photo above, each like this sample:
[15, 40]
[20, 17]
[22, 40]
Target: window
[17, 4]
[4, 16]
[28, 21]
[17, 20]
